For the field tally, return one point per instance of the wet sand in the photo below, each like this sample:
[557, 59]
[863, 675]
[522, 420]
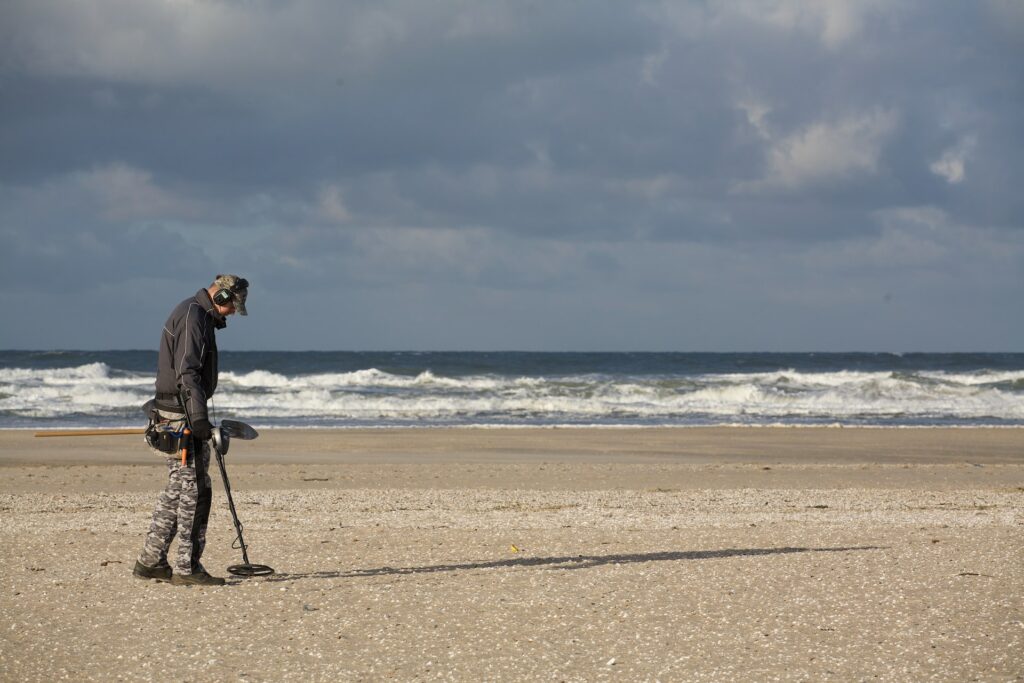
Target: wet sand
[526, 554]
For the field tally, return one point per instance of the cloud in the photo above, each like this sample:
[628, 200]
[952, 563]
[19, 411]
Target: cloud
[95, 228]
[823, 152]
[164, 43]
[332, 205]
[951, 164]
[950, 167]
[126, 193]
[111, 194]
[834, 22]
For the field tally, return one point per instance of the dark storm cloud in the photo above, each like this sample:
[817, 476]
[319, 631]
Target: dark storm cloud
[796, 160]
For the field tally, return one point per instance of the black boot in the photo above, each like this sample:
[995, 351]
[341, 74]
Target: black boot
[196, 579]
[141, 571]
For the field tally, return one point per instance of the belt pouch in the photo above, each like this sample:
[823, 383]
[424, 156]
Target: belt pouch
[163, 438]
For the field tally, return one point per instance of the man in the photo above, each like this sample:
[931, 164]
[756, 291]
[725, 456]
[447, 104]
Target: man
[186, 378]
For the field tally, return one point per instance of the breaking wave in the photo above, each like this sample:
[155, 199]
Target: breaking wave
[97, 394]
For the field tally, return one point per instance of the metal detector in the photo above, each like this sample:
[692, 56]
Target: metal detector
[221, 440]
[222, 436]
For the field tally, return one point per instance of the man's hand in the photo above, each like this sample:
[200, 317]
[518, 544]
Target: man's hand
[202, 429]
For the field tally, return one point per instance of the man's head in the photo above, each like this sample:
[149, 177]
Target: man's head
[228, 293]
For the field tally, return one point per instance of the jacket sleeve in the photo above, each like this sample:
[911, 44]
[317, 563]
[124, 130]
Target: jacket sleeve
[188, 366]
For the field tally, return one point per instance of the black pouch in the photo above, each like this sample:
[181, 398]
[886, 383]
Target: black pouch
[164, 439]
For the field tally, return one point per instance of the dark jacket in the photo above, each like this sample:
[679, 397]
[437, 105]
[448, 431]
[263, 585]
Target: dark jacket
[188, 356]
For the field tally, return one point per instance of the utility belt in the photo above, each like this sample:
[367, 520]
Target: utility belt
[168, 403]
[166, 432]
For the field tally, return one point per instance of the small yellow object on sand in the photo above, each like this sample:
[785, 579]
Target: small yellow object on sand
[513, 549]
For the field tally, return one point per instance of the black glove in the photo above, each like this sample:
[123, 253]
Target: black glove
[202, 429]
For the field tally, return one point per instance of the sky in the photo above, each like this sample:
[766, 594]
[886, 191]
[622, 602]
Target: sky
[723, 175]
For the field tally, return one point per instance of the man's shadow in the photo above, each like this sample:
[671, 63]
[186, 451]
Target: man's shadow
[568, 562]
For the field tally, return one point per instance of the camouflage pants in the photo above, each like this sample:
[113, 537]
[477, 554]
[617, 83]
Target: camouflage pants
[182, 510]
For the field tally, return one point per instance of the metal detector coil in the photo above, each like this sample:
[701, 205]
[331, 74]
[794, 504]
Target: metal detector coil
[231, 429]
[250, 570]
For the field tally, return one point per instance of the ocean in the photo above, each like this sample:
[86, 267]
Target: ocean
[71, 389]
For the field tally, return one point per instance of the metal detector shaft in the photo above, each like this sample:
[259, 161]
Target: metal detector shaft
[231, 506]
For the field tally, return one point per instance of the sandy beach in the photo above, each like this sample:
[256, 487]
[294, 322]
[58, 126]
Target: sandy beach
[531, 554]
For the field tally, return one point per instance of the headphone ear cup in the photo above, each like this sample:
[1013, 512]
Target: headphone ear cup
[223, 297]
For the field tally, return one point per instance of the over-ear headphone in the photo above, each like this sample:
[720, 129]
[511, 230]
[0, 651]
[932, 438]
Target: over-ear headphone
[223, 296]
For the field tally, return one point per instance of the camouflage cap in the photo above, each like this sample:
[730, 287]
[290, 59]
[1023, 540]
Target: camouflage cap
[239, 288]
